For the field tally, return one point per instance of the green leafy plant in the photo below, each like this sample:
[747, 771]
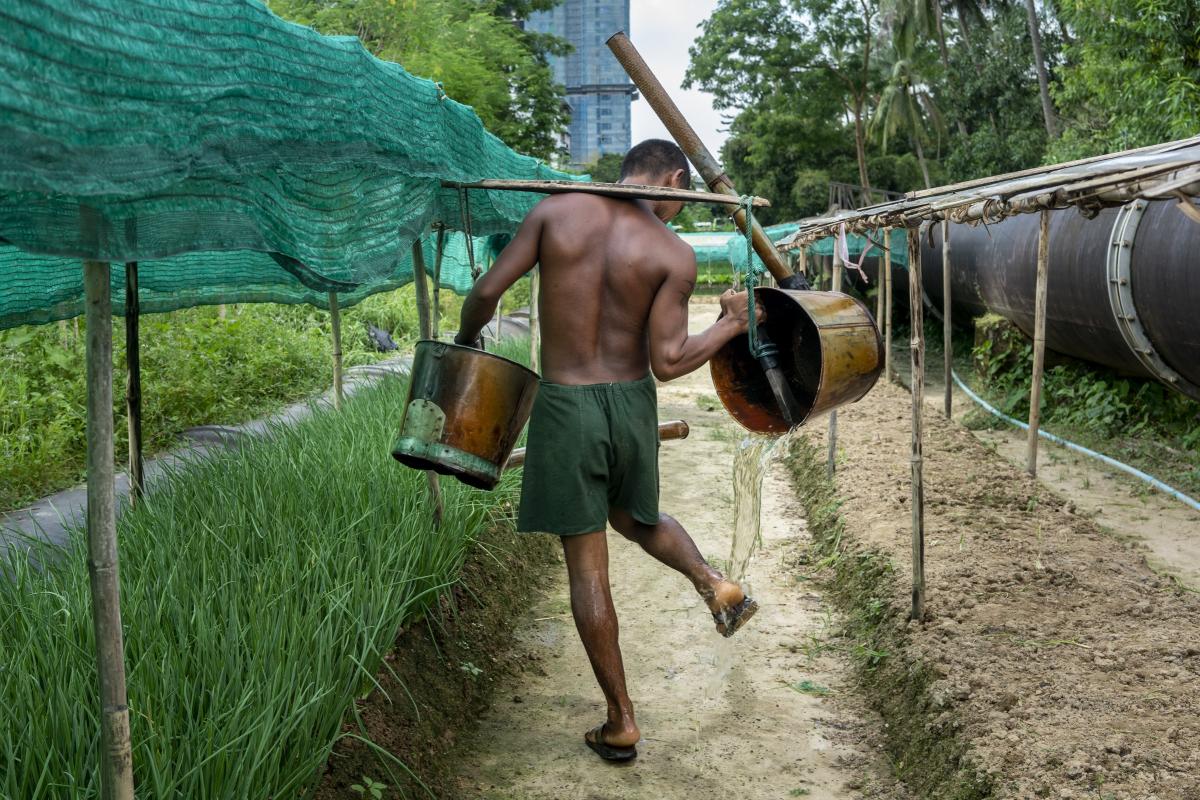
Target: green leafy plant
[260, 592]
[369, 788]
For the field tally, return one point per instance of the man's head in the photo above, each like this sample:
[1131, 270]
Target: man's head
[657, 162]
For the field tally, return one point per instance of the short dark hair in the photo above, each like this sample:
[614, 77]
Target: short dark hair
[656, 157]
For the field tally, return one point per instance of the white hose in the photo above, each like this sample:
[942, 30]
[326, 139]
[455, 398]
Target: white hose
[1112, 462]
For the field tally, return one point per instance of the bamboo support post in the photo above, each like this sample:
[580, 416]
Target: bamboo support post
[335, 319]
[947, 341]
[116, 752]
[917, 349]
[133, 384]
[887, 303]
[535, 330]
[499, 317]
[879, 289]
[1039, 342]
[435, 324]
[836, 286]
[425, 324]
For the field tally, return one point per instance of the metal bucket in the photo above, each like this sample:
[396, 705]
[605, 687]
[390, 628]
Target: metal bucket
[829, 349]
[464, 413]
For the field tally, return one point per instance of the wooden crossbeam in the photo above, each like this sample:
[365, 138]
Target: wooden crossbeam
[625, 190]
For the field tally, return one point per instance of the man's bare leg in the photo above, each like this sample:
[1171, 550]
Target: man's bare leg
[596, 621]
[668, 542]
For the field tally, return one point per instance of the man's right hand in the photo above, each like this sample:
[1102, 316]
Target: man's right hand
[736, 307]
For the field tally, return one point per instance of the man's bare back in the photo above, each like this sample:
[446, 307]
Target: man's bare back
[615, 288]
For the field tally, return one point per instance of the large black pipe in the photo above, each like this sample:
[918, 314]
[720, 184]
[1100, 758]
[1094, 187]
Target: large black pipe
[1148, 254]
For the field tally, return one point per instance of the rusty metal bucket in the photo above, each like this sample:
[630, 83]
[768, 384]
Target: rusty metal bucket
[829, 349]
[464, 413]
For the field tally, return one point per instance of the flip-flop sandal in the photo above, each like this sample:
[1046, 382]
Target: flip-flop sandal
[730, 620]
[595, 740]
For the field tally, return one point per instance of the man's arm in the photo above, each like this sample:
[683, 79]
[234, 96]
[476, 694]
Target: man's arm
[518, 258]
[673, 353]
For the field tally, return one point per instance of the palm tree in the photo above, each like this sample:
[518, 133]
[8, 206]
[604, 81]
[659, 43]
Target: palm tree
[906, 106]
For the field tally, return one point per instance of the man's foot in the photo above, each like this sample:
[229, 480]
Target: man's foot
[617, 746]
[730, 607]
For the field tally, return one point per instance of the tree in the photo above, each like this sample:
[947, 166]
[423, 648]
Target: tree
[752, 52]
[991, 89]
[907, 106]
[1131, 77]
[474, 48]
[1039, 64]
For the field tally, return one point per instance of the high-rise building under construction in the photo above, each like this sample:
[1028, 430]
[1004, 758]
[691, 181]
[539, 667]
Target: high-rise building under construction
[598, 90]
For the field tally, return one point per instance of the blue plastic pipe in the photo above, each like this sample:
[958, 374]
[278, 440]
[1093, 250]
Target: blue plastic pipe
[1112, 462]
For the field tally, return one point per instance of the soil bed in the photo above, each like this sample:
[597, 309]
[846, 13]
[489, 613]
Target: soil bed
[440, 676]
[1060, 662]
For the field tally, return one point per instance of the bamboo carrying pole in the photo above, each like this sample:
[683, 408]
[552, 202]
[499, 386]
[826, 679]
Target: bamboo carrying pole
[133, 384]
[425, 323]
[683, 133]
[535, 330]
[836, 286]
[917, 349]
[667, 431]
[116, 754]
[887, 304]
[630, 191]
[335, 319]
[1039, 342]
[435, 331]
[947, 341]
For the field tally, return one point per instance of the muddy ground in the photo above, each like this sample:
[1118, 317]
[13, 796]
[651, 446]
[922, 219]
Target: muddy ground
[1068, 666]
[769, 714]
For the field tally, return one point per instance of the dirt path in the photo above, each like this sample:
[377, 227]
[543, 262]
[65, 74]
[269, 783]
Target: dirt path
[717, 715]
[1165, 529]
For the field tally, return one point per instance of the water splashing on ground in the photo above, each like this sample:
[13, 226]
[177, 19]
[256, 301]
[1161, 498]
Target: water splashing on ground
[750, 462]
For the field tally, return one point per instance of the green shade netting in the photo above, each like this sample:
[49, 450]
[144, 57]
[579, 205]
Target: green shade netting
[144, 130]
[239, 276]
[727, 250]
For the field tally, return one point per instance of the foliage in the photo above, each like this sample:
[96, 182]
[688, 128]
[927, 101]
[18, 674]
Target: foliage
[260, 591]
[475, 48]
[810, 60]
[196, 369]
[1132, 75]
[607, 168]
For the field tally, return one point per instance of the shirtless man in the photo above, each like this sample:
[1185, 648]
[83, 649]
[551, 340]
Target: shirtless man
[614, 309]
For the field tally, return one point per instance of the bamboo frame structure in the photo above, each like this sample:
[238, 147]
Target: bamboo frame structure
[425, 324]
[1164, 171]
[335, 320]
[133, 384]
[917, 351]
[947, 338]
[627, 191]
[116, 751]
[435, 330]
[835, 286]
[535, 329]
[887, 304]
[1039, 343]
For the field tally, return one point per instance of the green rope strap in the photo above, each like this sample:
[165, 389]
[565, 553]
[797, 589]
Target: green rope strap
[750, 278]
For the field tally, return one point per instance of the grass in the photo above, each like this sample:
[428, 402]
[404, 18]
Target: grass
[260, 591]
[196, 369]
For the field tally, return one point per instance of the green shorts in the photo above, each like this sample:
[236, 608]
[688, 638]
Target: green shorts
[590, 447]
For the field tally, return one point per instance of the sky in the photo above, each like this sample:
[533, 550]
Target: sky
[663, 30]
